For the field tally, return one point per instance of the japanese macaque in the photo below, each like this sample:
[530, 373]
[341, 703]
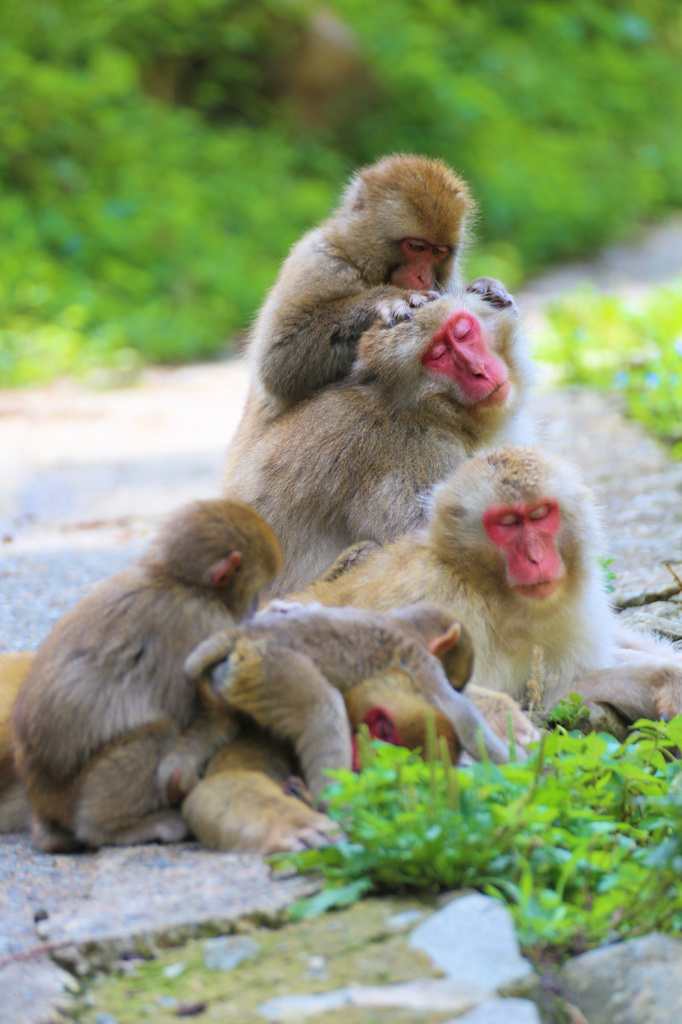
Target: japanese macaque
[511, 548]
[108, 733]
[15, 811]
[390, 247]
[311, 675]
[356, 461]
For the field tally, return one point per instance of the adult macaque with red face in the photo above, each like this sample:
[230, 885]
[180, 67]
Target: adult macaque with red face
[511, 547]
[390, 247]
[356, 461]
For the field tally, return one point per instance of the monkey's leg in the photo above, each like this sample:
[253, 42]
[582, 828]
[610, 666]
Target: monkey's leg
[289, 696]
[241, 804]
[120, 801]
[639, 689]
[180, 770]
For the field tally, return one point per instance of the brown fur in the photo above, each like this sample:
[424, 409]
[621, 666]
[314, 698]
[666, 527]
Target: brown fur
[291, 672]
[106, 723]
[15, 812]
[335, 282]
[453, 562]
[354, 462]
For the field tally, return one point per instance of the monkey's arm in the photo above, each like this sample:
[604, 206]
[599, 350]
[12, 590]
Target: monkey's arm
[315, 343]
[292, 699]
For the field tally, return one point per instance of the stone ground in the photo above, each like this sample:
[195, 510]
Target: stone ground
[86, 478]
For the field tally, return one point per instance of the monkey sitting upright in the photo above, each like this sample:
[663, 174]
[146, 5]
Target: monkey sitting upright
[355, 461]
[107, 730]
[510, 546]
[390, 247]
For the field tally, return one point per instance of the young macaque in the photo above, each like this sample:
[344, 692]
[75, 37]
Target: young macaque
[390, 247]
[311, 675]
[356, 461]
[108, 732]
[511, 548]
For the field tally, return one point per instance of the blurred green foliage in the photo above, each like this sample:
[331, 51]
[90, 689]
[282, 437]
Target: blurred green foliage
[634, 346]
[158, 157]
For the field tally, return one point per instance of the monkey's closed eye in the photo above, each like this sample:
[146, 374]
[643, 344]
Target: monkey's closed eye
[508, 520]
[541, 512]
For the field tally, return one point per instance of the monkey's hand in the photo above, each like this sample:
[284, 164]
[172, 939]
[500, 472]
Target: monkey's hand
[209, 652]
[177, 775]
[494, 292]
[391, 311]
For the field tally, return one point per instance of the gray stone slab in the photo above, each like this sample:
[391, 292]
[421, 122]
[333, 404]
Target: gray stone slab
[501, 1011]
[634, 982]
[419, 996]
[473, 941]
[34, 992]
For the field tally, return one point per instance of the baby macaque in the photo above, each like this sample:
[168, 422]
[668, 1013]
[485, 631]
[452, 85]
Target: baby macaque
[311, 675]
[356, 461]
[390, 247]
[510, 547]
[108, 732]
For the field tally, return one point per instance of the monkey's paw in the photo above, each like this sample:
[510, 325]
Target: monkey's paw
[668, 692]
[392, 311]
[319, 831]
[494, 292]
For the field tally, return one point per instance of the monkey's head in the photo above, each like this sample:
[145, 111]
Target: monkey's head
[220, 546]
[403, 222]
[516, 521]
[393, 712]
[459, 355]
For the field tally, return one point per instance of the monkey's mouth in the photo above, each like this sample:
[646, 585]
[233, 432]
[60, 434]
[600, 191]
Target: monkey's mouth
[538, 591]
[498, 396]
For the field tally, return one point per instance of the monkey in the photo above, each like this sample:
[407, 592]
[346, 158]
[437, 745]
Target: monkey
[355, 461]
[390, 247]
[108, 734]
[15, 810]
[510, 547]
[304, 674]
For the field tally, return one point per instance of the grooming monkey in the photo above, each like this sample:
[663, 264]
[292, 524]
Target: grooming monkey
[312, 676]
[390, 247]
[511, 548]
[355, 461]
[107, 731]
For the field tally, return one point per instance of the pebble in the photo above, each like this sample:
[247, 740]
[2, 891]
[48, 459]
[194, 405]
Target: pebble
[228, 951]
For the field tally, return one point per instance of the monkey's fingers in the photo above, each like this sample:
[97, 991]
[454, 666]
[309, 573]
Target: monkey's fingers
[209, 652]
[492, 291]
[392, 311]
[418, 299]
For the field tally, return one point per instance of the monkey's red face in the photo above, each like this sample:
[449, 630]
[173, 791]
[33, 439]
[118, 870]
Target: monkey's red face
[526, 534]
[417, 272]
[460, 350]
[381, 726]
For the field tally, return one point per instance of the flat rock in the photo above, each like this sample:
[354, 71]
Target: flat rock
[634, 982]
[419, 996]
[34, 992]
[501, 1011]
[473, 941]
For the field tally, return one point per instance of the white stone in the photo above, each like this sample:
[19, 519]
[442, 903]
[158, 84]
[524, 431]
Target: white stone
[473, 941]
[435, 995]
[228, 951]
[501, 1011]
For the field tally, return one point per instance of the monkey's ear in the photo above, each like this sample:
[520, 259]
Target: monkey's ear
[222, 572]
[440, 645]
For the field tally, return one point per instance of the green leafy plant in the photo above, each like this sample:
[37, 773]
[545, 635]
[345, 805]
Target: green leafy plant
[634, 347]
[158, 157]
[583, 840]
[570, 713]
